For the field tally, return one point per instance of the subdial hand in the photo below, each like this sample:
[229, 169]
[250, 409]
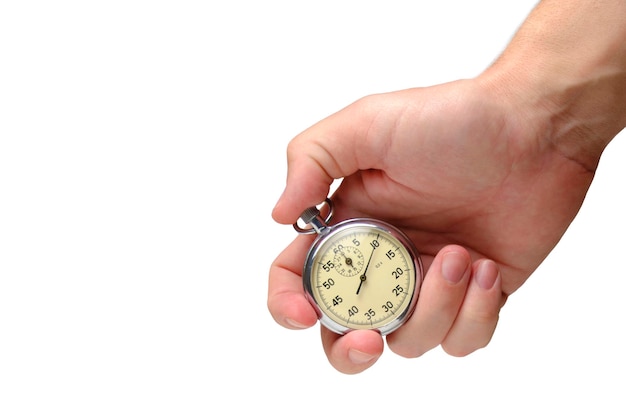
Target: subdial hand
[348, 260]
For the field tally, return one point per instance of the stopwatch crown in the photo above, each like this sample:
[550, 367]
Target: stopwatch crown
[309, 214]
[313, 218]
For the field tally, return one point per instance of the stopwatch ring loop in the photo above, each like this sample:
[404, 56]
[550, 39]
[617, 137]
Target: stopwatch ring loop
[312, 216]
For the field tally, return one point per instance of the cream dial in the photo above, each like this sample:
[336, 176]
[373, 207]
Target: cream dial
[362, 274]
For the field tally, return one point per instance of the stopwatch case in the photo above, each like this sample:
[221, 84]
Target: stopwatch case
[326, 234]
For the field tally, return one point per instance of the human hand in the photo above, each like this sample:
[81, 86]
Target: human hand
[470, 179]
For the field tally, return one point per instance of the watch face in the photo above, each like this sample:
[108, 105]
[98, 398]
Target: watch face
[363, 274]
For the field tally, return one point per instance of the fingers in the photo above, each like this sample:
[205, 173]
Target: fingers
[458, 307]
[285, 300]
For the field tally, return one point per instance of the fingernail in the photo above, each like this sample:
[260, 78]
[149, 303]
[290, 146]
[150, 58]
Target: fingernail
[357, 357]
[487, 274]
[453, 267]
[295, 324]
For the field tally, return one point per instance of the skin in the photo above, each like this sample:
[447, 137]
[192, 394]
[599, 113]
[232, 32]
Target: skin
[484, 175]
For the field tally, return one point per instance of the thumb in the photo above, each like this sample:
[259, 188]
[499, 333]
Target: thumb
[333, 148]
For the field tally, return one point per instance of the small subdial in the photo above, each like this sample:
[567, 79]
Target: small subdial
[348, 261]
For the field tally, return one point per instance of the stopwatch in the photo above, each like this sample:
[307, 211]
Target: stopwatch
[360, 273]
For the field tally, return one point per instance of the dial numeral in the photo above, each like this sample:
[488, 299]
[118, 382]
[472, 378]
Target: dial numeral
[387, 306]
[328, 266]
[396, 274]
[398, 290]
[329, 283]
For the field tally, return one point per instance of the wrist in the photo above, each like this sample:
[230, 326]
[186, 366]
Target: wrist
[564, 73]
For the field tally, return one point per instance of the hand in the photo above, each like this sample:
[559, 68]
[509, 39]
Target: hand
[471, 180]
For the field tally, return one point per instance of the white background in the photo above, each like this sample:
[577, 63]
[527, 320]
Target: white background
[142, 148]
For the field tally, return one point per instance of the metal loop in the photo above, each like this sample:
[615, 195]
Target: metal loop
[312, 217]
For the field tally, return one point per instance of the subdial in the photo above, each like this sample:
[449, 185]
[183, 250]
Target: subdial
[348, 261]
